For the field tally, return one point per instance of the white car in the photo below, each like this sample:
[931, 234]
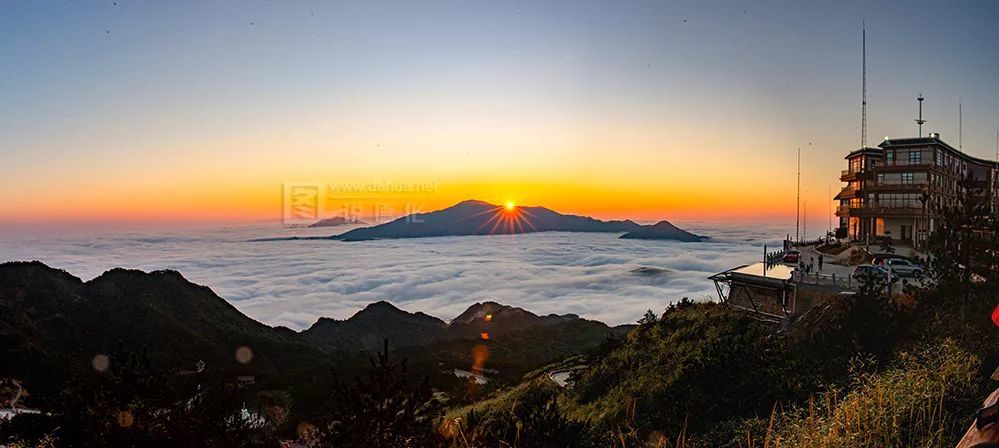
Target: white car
[904, 268]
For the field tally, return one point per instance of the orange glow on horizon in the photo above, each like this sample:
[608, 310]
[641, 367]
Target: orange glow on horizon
[262, 201]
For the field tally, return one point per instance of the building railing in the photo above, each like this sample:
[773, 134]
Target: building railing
[821, 279]
[905, 163]
[880, 209]
[897, 186]
[843, 281]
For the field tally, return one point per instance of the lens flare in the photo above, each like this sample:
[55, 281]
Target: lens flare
[244, 355]
[100, 362]
[507, 219]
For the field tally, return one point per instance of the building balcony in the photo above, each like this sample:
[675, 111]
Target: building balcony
[897, 187]
[847, 175]
[880, 211]
[898, 167]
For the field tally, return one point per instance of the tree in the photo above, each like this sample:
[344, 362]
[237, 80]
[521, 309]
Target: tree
[962, 272]
[963, 247]
[381, 409]
[648, 319]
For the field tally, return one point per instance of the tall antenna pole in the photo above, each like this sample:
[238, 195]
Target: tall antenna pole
[863, 103]
[797, 203]
[829, 211]
[960, 126]
[804, 219]
[920, 121]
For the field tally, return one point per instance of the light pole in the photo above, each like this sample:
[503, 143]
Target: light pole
[924, 198]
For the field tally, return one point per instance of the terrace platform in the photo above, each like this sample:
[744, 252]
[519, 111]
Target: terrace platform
[774, 292]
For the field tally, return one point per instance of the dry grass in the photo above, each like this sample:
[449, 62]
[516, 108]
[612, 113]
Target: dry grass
[903, 406]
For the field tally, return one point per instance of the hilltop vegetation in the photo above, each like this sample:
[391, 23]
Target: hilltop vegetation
[700, 376]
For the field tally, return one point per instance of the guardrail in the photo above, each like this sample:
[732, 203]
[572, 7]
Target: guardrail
[820, 279]
[774, 257]
[841, 281]
[814, 242]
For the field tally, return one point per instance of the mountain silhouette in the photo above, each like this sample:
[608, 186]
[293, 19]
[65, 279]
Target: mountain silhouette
[482, 218]
[53, 324]
[663, 230]
[335, 222]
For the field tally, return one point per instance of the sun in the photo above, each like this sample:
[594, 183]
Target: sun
[510, 205]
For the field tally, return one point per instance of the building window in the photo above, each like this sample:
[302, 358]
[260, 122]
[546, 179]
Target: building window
[915, 157]
[906, 178]
[881, 178]
[891, 157]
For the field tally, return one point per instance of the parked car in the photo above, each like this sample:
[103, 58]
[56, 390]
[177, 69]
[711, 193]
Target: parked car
[879, 259]
[904, 268]
[879, 273]
[792, 256]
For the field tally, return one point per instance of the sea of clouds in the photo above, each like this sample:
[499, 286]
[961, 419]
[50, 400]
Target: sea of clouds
[292, 283]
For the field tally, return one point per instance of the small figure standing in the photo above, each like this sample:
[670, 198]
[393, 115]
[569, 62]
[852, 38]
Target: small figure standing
[820, 262]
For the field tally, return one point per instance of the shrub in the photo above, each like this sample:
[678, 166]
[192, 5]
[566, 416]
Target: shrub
[918, 401]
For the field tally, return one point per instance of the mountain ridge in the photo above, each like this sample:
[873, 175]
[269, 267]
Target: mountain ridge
[663, 230]
[52, 325]
[476, 217]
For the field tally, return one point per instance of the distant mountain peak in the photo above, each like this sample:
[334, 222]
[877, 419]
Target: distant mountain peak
[336, 221]
[476, 217]
[663, 230]
[384, 308]
[474, 202]
[377, 321]
[480, 310]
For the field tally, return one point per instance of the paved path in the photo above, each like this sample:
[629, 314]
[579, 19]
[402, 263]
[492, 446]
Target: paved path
[809, 253]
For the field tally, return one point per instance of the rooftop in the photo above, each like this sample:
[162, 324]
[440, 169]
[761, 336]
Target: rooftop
[932, 139]
[866, 150]
[757, 273]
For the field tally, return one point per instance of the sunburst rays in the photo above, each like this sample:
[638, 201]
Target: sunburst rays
[508, 219]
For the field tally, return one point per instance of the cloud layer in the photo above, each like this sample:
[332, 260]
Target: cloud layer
[292, 283]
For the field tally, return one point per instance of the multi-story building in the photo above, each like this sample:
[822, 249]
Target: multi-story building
[896, 189]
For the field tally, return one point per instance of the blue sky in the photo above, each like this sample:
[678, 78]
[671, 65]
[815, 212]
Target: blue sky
[100, 94]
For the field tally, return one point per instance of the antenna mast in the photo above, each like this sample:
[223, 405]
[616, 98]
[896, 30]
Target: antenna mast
[920, 121]
[797, 202]
[863, 103]
[960, 126]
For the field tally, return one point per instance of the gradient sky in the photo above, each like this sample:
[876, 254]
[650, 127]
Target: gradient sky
[184, 111]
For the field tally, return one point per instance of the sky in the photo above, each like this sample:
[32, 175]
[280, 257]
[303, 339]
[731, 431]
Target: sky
[206, 111]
